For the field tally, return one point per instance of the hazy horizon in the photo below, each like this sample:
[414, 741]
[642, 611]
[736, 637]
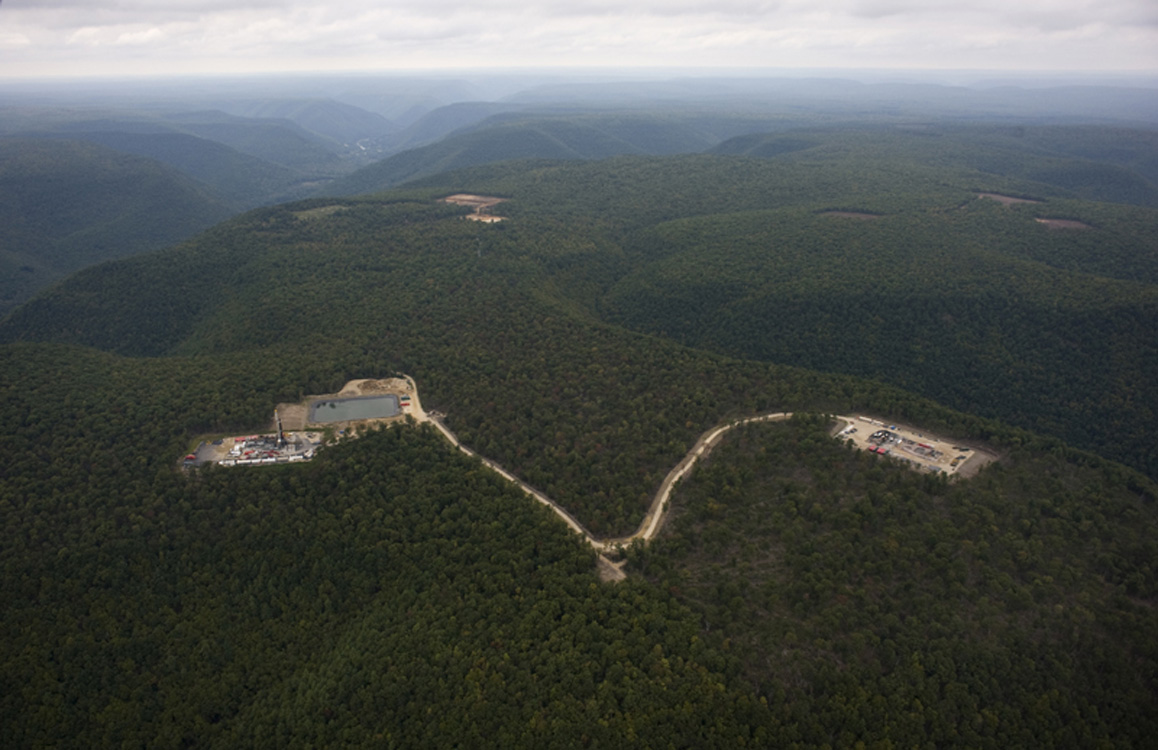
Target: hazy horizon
[146, 38]
[962, 77]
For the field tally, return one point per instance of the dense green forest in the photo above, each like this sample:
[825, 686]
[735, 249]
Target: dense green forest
[981, 308]
[394, 592]
[963, 300]
[873, 602]
[66, 204]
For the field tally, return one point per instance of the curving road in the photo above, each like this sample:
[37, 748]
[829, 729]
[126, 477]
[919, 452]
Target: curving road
[652, 520]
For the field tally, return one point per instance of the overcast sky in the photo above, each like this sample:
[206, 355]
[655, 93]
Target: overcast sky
[117, 37]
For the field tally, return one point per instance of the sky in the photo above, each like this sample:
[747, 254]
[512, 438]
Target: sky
[159, 37]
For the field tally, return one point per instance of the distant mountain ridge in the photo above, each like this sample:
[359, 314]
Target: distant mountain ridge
[240, 179]
[344, 123]
[574, 134]
[1112, 164]
[67, 204]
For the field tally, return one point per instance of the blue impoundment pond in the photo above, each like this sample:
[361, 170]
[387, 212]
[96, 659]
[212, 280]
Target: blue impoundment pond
[354, 408]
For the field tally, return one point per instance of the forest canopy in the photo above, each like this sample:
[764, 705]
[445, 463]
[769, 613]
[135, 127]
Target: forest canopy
[395, 592]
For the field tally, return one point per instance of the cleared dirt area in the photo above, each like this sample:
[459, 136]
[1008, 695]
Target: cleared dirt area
[293, 416]
[609, 572]
[296, 438]
[922, 451]
[1006, 200]
[482, 204]
[1063, 224]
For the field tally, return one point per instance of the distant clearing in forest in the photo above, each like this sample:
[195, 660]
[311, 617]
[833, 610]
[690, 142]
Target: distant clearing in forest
[481, 204]
[1063, 224]
[1006, 200]
[319, 212]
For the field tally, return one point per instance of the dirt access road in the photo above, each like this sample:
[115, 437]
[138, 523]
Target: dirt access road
[653, 520]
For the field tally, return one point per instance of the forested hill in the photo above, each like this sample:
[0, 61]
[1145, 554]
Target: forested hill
[849, 253]
[66, 204]
[394, 592]
[1112, 164]
[242, 180]
[963, 299]
[83, 186]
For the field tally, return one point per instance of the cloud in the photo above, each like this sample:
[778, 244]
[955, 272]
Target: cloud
[13, 41]
[270, 34]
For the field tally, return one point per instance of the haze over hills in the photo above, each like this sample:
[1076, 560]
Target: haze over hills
[86, 191]
[243, 180]
[897, 94]
[659, 270]
[68, 204]
[1097, 163]
[282, 142]
[575, 134]
[259, 141]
